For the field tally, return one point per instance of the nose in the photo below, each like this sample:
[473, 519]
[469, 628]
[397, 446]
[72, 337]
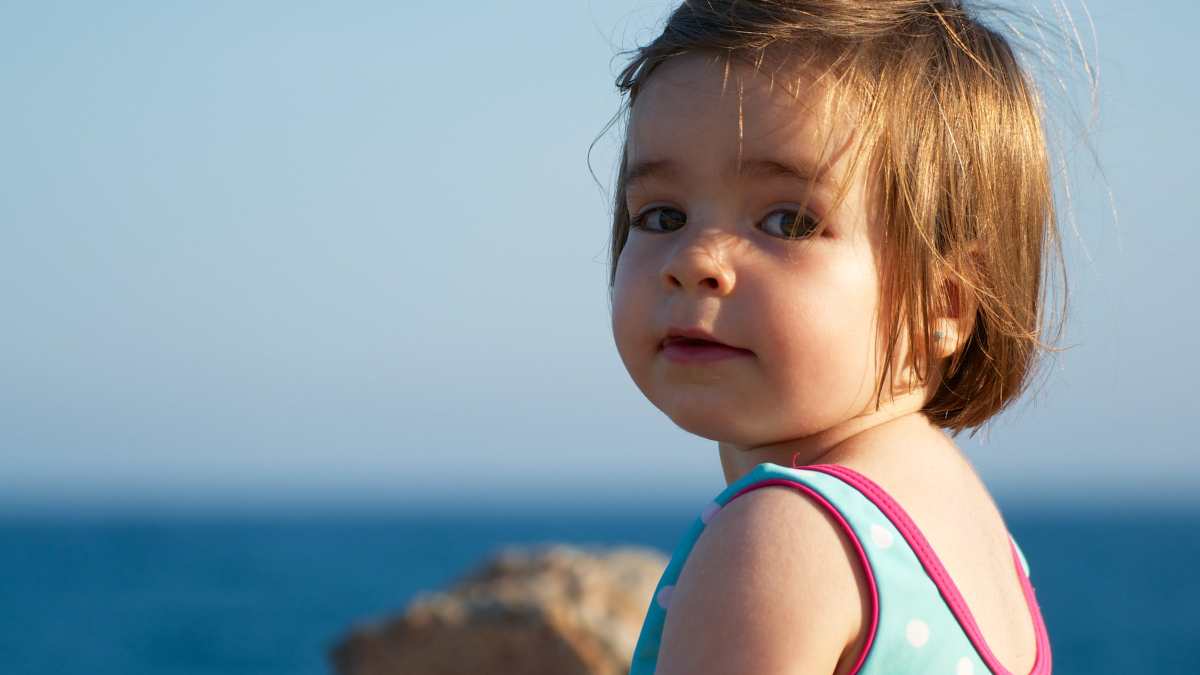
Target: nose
[701, 264]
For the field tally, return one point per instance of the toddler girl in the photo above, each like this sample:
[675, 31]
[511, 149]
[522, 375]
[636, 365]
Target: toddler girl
[833, 222]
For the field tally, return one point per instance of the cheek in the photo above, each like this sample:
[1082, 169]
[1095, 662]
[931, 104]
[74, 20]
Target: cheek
[824, 333]
[630, 319]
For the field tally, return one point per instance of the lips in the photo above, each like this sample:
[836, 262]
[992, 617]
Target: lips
[692, 342]
[697, 346]
[692, 337]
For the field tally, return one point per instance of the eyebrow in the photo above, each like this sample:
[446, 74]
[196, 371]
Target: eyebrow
[751, 168]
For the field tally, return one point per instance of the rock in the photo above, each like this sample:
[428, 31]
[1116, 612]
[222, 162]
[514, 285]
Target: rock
[557, 610]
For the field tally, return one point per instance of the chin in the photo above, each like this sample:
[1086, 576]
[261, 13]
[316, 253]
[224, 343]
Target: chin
[737, 428]
[722, 426]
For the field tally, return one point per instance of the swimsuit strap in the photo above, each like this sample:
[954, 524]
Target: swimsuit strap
[918, 621]
[937, 573]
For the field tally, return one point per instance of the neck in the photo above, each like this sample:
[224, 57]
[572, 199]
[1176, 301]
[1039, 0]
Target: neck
[877, 430]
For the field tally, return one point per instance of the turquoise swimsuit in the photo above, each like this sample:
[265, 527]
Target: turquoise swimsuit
[919, 622]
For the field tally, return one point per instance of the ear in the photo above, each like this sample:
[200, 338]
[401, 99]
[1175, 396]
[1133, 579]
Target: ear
[953, 326]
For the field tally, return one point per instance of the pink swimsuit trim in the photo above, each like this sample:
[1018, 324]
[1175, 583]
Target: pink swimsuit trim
[862, 555]
[937, 572]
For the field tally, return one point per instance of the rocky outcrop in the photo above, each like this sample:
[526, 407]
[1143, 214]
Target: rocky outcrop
[557, 610]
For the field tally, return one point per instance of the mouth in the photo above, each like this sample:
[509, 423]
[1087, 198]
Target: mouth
[691, 342]
[697, 346]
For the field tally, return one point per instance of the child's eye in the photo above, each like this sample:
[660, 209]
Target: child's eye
[669, 220]
[791, 225]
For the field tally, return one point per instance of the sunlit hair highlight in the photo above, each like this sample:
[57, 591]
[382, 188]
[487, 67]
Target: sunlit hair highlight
[952, 140]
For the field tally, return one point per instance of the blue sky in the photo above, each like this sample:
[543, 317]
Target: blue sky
[263, 253]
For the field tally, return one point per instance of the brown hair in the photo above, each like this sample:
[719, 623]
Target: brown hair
[953, 138]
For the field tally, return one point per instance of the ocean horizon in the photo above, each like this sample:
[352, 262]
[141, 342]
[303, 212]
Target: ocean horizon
[263, 593]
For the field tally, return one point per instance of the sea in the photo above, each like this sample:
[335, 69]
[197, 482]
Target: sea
[233, 594]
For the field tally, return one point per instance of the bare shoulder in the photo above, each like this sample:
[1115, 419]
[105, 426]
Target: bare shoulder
[772, 586]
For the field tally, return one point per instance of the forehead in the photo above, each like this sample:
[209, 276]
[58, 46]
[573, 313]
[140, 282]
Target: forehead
[705, 107]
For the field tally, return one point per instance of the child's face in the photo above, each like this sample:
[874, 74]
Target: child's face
[802, 310]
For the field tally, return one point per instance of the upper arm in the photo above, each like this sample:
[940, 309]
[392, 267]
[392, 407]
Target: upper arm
[771, 587]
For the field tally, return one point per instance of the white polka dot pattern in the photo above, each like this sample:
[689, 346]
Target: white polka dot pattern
[664, 596]
[964, 667]
[881, 536]
[917, 632]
